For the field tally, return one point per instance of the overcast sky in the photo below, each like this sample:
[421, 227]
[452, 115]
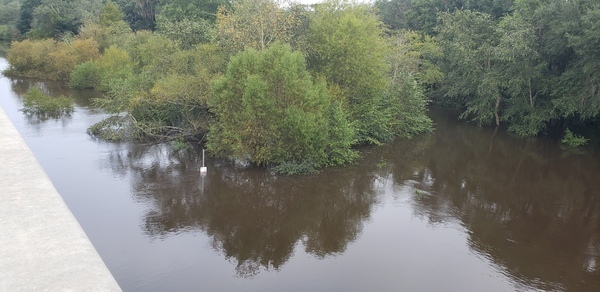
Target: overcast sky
[309, 1]
[317, 1]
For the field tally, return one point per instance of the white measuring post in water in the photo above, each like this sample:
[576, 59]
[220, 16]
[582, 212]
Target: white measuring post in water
[203, 168]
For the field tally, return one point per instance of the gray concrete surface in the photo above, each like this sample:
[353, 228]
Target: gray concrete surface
[42, 247]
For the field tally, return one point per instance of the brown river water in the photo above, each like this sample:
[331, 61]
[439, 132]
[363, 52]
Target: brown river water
[462, 209]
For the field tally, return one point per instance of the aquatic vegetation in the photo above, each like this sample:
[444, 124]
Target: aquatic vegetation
[36, 101]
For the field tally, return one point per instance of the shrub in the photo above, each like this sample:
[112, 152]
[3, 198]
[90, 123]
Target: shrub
[113, 64]
[37, 102]
[85, 50]
[573, 140]
[29, 58]
[62, 61]
[408, 106]
[85, 76]
[49, 59]
[268, 111]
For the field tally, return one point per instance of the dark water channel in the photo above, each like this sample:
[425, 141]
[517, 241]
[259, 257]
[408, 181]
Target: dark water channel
[463, 209]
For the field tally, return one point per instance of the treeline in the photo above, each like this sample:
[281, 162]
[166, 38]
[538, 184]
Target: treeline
[9, 15]
[529, 64]
[298, 86]
[277, 84]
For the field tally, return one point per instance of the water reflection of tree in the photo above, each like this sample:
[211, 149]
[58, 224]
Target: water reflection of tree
[531, 211]
[252, 217]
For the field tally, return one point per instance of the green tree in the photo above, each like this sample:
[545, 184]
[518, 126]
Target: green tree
[415, 53]
[57, 18]
[473, 79]
[146, 12]
[26, 15]
[9, 16]
[346, 46]
[85, 76]
[114, 66]
[188, 22]
[527, 110]
[155, 90]
[186, 32]
[48, 59]
[422, 14]
[177, 10]
[582, 77]
[108, 28]
[566, 34]
[412, 71]
[139, 14]
[176, 105]
[254, 24]
[406, 107]
[150, 53]
[268, 111]
[110, 14]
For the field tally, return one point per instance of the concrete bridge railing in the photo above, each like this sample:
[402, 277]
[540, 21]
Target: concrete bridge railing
[42, 246]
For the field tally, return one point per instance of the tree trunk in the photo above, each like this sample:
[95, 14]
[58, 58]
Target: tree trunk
[531, 97]
[496, 111]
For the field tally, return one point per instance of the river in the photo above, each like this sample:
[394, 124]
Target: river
[462, 209]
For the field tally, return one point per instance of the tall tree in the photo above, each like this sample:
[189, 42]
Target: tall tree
[415, 53]
[582, 76]
[55, 18]
[469, 40]
[254, 24]
[146, 9]
[139, 14]
[107, 27]
[346, 46]
[422, 14]
[188, 22]
[177, 10]
[527, 109]
[26, 15]
[9, 17]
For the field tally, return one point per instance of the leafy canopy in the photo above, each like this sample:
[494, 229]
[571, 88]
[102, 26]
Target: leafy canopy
[268, 111]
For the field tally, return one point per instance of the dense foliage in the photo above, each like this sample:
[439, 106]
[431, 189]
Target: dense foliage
[272, 88]
[269, 111]
[49, 59]
[528, 64]
[35, 101]
[9, 16]
[347, 47]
